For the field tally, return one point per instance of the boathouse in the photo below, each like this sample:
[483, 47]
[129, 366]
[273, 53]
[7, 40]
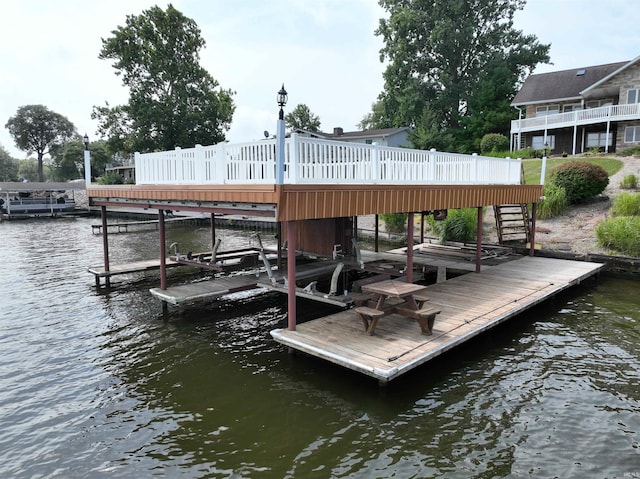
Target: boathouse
[314, 189]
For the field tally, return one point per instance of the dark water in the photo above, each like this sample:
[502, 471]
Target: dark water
[97, 384]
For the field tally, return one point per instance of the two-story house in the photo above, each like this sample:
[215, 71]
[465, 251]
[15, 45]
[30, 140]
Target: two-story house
[573, 111]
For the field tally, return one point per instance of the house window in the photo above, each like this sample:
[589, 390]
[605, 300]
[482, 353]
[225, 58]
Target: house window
[571, 107]
[537, 142]
[598, 139]
[632, 134]
[633, 96]
[547, 110]
[598, 103]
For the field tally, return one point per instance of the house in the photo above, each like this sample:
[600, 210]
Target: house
[573, 111]
[395, 137]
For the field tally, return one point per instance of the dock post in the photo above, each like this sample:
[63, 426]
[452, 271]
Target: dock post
[410, 248]
[163, 253]
[105, 244]
[279, 246]
[291, 275]
[375, 235]
[532, 231]
[213, 230]
[479, 240]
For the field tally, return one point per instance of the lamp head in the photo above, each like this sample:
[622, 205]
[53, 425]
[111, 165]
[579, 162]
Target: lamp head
[282, 97]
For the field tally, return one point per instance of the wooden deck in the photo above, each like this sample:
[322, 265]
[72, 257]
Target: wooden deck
[134, 267]
[470, 304]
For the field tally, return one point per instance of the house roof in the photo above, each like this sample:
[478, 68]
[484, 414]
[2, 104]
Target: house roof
[383, 132]
[566, 84]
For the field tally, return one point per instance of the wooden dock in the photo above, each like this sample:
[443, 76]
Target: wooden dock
[470, 304]
[134, 267]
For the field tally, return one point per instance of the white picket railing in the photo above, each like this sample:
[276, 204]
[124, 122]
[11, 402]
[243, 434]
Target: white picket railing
[630, 111]
[316, 161]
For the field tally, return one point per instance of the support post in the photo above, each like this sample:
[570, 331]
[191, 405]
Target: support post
[421, 227]
[105, 244]
[375, 235]
[279, 245]
[410, 248]
[532, 239]
[291, 275]
[163, 253]
[213, 230]
[479, 240]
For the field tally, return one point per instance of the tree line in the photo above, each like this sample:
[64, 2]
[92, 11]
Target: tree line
[453, 67]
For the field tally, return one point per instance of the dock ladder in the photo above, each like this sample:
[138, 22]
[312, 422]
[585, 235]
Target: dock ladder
[513, 223]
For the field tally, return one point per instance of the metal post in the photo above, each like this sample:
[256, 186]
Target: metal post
[422, 227]
[291, 275]
[375, 237]
[213, 230]
[279, 245]
[105, 243]
[479, 240]
[87, 162]
[532, 239]
[410, 248]
[163, 253]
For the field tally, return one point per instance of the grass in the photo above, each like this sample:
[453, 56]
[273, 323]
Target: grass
[620, 234]
[626, 204]
[533, 168]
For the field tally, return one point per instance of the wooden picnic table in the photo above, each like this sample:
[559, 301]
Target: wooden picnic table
[413, 299]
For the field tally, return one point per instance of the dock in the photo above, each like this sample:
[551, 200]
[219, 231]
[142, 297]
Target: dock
[124, 226]
[470, 305]
[129, 268]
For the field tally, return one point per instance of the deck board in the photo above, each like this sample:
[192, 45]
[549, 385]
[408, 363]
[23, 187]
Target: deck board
[470, 304]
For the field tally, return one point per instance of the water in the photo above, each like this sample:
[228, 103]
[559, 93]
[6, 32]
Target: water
[97, 384]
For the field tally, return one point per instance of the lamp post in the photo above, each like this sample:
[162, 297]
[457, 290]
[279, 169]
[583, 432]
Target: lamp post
[282, 101]
[87, 161]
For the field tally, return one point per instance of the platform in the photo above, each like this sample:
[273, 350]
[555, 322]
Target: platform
[470, 304]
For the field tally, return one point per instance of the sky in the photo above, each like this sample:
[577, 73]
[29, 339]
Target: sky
[323, 51]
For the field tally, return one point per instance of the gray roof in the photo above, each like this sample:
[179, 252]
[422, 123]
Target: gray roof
[369, 133]
[562, 85]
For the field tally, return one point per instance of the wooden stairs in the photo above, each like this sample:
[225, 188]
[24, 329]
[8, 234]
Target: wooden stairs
[513, 223]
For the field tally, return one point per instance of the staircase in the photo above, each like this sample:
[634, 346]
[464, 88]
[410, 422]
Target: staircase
[513, 223]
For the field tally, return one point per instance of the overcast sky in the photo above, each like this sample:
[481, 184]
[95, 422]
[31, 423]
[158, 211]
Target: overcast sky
[324, 51]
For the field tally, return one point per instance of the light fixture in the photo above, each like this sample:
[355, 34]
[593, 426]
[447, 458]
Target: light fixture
[85, 140]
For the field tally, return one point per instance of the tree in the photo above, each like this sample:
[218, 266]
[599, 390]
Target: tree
[173, 101]
[68, 161]
[8, 166]
[35, 129]
[301, 117]
[453, 68]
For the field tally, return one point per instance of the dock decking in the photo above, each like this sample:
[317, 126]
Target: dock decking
[470, 304]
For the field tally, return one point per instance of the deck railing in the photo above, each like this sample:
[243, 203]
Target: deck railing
[589, 116]
[316, 161]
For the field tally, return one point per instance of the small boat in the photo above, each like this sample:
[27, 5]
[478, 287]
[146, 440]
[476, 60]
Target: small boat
[31, 199]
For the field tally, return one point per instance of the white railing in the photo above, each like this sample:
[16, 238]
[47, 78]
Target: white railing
[601, 114]
[316, 161]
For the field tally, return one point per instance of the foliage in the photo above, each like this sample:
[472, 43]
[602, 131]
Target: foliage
[629, 182]
[110, 178]
[626, 204]
[554, 204]
[395, 222]
[533, 168]
[581, 180]
[36, 129]
[173, 101]
[460, 225]
[493, 142]
[302, 118]
[452, 69]
[8, 166]
[28, 169]
[631, 151]
[621, 233]
[525, 154]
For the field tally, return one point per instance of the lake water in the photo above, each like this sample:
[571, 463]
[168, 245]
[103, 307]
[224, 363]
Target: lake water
[96, 383]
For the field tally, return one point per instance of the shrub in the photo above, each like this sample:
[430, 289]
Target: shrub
[555, 202]
[395, 222]
[626, 204]
[493, 142]
[620, 234]
[633, 151]
[629, 182]
[460, 225]
[581, 180]
[110, 178]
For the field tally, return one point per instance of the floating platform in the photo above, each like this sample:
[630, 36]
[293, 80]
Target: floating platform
[128, 268]
[470, 304]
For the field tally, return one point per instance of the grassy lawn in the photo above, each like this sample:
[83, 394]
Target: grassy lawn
[532, 168]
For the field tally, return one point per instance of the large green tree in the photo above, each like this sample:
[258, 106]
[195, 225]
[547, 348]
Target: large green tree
[303, 118]
[173, 101]
[453, 69]
[36, 129]
[68, 160]
[8, 166]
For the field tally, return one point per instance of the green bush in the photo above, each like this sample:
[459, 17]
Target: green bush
[460, 225]
[554, 204]
[629, 182]
[395, 222]
[621, 234]
[626, 204]
[633, 151]
[110, 178]
[494, 142]
[581, 180]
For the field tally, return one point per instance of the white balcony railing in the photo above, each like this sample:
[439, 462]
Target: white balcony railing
[315, 161]
[589, 116]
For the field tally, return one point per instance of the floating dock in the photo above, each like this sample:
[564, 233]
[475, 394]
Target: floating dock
[470, 304]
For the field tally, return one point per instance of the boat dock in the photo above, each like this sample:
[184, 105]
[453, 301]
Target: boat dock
[470, 304]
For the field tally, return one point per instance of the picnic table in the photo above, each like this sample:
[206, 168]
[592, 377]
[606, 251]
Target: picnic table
[412, 306]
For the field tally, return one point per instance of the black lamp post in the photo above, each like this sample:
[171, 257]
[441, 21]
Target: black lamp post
[282, 101]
